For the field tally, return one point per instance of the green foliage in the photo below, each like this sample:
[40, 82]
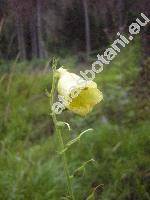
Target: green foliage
[30, 167]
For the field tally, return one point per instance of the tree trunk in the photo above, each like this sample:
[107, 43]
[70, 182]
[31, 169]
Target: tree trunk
[87, 28]
[20, 37]
[121, 15]
[1, 24]
[108, 22]
[41, 47]
[33, 34]
[146, 42]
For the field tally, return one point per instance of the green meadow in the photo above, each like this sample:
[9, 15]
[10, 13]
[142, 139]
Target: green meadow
[119, 145]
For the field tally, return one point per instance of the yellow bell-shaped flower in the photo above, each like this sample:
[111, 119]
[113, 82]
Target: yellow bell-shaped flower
[81, 95]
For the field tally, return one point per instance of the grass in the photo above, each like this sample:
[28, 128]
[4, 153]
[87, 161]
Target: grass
[30, 167]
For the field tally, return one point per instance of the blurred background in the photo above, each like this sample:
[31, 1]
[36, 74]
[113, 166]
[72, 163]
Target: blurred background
[74, 31]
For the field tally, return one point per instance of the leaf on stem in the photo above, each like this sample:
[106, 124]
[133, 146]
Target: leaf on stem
[60, 123]
[80, 171]
[68, 145]
[92, 195]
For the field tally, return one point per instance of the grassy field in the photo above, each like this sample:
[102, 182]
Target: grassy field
[30, 166]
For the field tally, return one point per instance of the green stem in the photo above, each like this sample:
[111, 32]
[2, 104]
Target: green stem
[58, 132]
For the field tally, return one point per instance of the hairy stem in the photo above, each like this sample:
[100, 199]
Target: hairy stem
[58, 131]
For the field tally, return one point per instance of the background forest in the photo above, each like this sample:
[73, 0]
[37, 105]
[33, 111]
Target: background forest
[32, 32]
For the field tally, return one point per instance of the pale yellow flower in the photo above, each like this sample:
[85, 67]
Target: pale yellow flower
[81, 95]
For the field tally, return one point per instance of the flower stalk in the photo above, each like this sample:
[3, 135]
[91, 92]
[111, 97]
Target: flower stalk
[58, 131]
